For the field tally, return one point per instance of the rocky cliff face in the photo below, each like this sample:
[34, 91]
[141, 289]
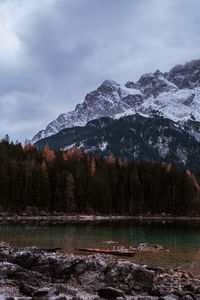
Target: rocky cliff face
[108, 100]
[174, 95]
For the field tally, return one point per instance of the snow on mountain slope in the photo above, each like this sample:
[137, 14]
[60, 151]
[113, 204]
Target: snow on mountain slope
[108, 100]
[174, 95]
[180, 105]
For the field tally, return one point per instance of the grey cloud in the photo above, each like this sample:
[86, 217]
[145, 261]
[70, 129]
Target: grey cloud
[68, 47]
[22, 112]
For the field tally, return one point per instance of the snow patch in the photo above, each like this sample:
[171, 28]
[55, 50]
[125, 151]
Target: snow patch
[103, 146]
[69, 146]
[130, 91]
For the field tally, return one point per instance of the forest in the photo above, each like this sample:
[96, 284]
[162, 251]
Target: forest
[72, 182]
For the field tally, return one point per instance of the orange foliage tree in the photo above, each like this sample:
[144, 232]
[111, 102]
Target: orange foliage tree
[193, 179]
[49, 155]
[111, 159]
[93, 166]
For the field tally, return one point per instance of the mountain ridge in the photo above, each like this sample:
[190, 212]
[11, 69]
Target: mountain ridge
[174, 95]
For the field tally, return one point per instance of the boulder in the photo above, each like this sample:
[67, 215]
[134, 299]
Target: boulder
[110, 293]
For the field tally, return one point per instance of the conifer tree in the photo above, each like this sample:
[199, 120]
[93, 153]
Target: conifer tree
[69, 194]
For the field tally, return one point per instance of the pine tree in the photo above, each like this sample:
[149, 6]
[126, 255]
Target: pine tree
[44, 188]
[69, 194]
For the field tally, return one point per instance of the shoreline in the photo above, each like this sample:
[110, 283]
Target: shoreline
[96, 218]
[33, 273]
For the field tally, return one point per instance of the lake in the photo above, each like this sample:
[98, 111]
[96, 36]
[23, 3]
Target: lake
[181, 240]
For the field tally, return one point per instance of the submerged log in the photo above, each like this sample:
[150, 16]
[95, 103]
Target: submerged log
[123, 252]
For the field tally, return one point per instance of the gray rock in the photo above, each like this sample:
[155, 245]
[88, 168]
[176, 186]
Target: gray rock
[110, 293]
[147, 298]
[63, 289]
[130, 85]
[187, 297]
[186, 76]
[58, 298]
[41, 292]
[176, 297]
[189, 287]
[169, 297]
[27, 289]
[126, 276]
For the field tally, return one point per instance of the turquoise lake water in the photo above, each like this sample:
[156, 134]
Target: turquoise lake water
[181, 240]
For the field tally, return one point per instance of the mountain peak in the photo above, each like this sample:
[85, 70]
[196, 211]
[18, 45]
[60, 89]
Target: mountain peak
[187, 75]
[108, 86]
[174, 95]
[110, 83]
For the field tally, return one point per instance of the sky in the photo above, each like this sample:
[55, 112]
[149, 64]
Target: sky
[53, 52]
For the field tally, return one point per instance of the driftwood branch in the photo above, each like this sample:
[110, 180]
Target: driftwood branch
[112, 252]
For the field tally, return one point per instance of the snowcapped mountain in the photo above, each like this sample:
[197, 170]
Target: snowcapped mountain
[174, 95]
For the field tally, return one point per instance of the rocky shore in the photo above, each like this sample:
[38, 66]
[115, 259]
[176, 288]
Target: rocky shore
[32, 273]
[6, 218]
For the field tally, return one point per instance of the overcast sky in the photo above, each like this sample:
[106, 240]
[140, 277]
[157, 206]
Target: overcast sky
[52, 52]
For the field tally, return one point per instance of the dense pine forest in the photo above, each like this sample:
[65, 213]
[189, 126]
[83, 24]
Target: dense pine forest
[33, 180]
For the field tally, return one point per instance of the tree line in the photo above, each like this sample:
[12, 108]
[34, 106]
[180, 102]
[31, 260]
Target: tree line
[34, 180]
